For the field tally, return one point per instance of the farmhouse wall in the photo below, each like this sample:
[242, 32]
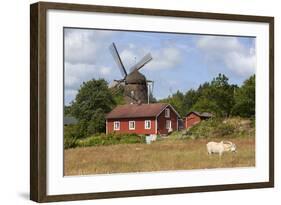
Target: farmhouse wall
[139, 126]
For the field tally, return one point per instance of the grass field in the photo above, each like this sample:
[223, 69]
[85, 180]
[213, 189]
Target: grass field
[161, 155]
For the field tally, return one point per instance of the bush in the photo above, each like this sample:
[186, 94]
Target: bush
[69, 143]
[111, 139]
[225, 129]
[203, 129]
[211, 128]
[71, 134]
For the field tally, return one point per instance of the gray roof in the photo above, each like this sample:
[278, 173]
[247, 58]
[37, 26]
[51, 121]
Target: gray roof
[206, 114]
[68, 120]
[202, 114]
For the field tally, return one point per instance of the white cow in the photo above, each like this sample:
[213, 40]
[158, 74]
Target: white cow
[220, 147]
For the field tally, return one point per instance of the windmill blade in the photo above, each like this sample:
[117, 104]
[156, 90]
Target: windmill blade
[117, 59]
[142, 62]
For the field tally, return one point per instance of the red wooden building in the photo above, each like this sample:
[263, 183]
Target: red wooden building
[156, 118]
[194, 118]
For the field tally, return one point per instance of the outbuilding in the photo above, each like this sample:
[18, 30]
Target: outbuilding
[147, 119]
[193, 118]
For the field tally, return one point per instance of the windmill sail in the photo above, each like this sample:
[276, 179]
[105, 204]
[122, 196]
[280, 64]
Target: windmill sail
[117, 59]
[142, 62]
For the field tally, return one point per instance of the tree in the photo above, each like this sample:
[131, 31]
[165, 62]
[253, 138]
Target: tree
[216, 97]
[190, 98]
[245, 99]
[92, 102]
[97, 123]
[67, 110]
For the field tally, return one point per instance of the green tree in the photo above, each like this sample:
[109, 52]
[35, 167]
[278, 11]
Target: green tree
[97, 123]
[190, 98]
[245, 99]
[93, 101]
[216, 97]
[67, 110]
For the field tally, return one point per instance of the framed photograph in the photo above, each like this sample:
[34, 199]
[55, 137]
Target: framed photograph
[135, 102]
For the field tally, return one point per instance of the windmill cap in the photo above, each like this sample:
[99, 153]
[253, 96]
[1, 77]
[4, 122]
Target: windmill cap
[135, 77]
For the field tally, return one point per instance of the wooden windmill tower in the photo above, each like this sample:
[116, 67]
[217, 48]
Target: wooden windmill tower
[135, 84]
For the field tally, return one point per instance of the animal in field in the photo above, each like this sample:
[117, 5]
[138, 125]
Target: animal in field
[220, 147]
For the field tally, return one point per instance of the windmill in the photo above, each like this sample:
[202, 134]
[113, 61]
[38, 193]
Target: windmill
[135, 84]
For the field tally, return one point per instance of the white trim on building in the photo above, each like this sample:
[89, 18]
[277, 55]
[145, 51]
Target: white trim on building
[116, 125]
[132, 125]
[147, 124]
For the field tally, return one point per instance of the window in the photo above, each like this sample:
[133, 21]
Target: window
[116, 125]
[147, 124]
[167, 112]
[168, 124]
[132, 125]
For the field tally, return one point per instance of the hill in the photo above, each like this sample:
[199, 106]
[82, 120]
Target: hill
[233, 127]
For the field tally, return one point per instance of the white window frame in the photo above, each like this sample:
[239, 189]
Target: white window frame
[145, 124]
[170, 124]
[167, 112]
[116, 127]
[134, 123]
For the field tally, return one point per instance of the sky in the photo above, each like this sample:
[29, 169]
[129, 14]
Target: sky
[179, 61]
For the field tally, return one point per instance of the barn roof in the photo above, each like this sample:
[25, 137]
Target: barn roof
[137, 111]
[202, 114]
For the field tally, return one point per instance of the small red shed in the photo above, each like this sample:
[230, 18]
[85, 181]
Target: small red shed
[156, 118]
[193, 118]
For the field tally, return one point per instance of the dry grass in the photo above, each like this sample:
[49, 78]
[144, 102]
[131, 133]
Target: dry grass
[158, 156]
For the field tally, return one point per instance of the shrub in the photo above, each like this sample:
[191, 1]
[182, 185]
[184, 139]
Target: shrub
[215, 127]
[111, 139]
[70, 143]
[70, 136]
[225, 129]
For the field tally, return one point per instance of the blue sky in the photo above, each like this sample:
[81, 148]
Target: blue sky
[180, 61]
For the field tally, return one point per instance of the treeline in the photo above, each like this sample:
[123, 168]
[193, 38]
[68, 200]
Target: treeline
[218, 97]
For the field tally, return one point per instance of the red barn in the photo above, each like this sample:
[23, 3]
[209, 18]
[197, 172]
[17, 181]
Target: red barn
[193, 118]
[156, 118]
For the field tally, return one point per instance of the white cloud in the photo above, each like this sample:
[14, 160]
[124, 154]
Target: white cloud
[83, 46]
[162, 58]
[166, 58]
[105, 71]
[236, 57]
